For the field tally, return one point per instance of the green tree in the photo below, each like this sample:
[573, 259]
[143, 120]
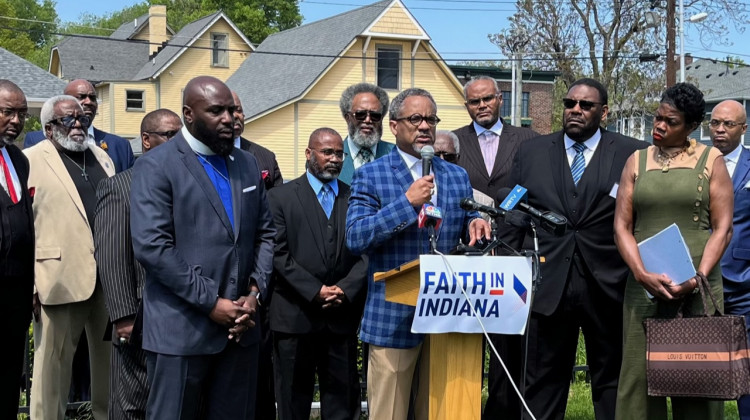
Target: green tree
[12, 36]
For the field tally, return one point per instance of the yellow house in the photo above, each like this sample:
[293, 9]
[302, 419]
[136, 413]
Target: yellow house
[144, 65]
[292, 82]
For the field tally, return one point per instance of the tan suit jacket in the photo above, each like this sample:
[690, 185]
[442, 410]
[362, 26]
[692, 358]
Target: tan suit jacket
[65, 269]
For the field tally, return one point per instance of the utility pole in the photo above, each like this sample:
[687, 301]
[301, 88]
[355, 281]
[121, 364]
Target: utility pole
[671, 35]
[518, 100]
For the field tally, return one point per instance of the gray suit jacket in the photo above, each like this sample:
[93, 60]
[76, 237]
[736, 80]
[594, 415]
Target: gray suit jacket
[347, 171]
[192, 254]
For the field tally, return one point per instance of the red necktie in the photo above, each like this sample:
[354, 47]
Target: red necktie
[8, 180]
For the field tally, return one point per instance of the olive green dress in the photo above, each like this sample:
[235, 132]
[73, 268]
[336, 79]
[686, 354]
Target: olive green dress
[680, 196]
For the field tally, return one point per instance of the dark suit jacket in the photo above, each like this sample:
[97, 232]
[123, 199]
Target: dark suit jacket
[301, 267]
[471, 157]
[117, 148]
[736, 259]
[542, 167]
[120, 274]
[266, 162]
[192, 255]
[347, 170]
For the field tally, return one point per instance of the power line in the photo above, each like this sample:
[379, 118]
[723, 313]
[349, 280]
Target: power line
[414, 7]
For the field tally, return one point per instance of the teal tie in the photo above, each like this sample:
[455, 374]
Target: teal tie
[579, 162]
[325, 196]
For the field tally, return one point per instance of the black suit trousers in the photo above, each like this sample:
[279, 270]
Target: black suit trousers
[298, 357]
[553, 341]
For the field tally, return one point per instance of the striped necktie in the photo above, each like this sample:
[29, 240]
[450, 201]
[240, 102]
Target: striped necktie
[579, 162]
[326, 199]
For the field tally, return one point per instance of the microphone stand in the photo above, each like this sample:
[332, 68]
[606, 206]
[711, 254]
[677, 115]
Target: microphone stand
[433, 236]
[536, 277]
[497, 242]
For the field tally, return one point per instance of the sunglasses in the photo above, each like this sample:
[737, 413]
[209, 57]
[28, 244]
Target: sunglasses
[487, 100]
[448, 157]
[585, 105]
[70, 121]
[362, 115]
[92, 97]
[416, 119]
[166, 134]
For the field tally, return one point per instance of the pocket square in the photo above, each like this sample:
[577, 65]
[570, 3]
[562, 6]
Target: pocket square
[747, 185]
[248, 189]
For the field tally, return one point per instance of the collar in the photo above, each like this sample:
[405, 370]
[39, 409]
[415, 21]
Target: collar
[591, 143]
[195, 144]
[497, 128]
[237, 142]
[408, 159]
[354, 148]
[734, 155]
[317, 184]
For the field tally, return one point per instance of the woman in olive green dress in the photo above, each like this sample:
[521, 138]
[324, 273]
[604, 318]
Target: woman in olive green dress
[673, 181]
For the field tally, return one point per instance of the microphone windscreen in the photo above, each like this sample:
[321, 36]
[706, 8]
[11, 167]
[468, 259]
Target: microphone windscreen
[427, 152]
[517, 219]
[502, 194]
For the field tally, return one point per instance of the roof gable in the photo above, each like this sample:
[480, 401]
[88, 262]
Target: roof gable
[286, 64]
[37, 84]
[396, 20]
[100, 58]
[129, 30]
[181, 42]
[718, 81]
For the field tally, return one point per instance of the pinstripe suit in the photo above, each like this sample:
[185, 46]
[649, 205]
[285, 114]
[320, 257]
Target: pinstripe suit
[266, 162]
[122, 279]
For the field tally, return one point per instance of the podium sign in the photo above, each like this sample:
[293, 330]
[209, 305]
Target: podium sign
[499, 288]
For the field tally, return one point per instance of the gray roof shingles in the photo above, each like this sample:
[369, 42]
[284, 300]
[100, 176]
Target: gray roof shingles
[99, 58]
[718, 81]
[35, 82]
[265, 81]
[128, 29]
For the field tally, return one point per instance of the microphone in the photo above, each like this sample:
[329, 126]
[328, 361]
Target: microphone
[549, 221]
[427, 152]
[469, 204]
[430, 216]
[517, 218]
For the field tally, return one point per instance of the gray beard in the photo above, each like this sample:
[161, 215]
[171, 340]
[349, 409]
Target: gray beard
[365, 142]
[67, 143]
[5, 141]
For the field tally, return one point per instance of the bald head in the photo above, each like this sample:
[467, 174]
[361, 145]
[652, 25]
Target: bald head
[208, 111]
[85, 94]
[728, 124]
[239, 116]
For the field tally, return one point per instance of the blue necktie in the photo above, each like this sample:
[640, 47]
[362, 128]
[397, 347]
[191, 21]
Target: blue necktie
[325, 196]
[579, 162]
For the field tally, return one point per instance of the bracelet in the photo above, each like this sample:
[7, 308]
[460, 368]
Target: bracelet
[254, 293]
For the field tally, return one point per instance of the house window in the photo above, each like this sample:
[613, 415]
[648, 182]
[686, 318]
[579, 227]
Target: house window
[507, 104]
[219, 54]
[134, 100]
[389, 65]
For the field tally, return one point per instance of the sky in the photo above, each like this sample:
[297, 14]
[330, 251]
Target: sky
[458, 28]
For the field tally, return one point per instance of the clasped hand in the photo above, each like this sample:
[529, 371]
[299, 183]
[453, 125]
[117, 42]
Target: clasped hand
[662, 287]
[330, 296]
[238, 315]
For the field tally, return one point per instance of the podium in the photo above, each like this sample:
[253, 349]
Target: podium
[455, 359]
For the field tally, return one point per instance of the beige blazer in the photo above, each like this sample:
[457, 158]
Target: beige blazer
[65, 269]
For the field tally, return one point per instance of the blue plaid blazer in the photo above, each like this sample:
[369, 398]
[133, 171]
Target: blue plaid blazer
[382, 224]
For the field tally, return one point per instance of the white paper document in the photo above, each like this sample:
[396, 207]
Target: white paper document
[667, 253]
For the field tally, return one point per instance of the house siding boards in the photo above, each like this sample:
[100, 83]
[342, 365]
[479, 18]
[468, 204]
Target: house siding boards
[396, 21]
[103, 119]
[276, 132]
[127, 123]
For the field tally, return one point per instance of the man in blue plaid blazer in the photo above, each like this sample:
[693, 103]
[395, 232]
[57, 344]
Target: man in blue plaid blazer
[387, 196]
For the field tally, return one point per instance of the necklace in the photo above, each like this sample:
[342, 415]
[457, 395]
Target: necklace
[664, 159]
[82, 168]
[212, 167]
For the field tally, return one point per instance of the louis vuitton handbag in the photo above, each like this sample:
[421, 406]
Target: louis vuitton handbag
[704, 356]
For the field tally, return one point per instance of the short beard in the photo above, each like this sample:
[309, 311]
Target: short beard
[321, 173]
[219, 146]
[6, 140]
[363, 141]
[67, 143]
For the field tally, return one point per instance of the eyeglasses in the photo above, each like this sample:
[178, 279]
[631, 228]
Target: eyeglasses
[9, 113]
[92, 97]
[448, 157]
[727, 124]
[416, 120]
[487, 100]
[585, 105]
[330, 152]
[167, 134]
[362, 114]
[70, 121]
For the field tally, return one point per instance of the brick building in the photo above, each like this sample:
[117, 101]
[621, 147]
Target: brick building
[538, 91]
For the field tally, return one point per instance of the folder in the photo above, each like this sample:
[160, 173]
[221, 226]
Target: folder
[667, 253]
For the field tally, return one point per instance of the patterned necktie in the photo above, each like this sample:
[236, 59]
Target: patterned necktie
[325, 196]
[579, 162]
[365, 156]
[489, 147]
[8, 180]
